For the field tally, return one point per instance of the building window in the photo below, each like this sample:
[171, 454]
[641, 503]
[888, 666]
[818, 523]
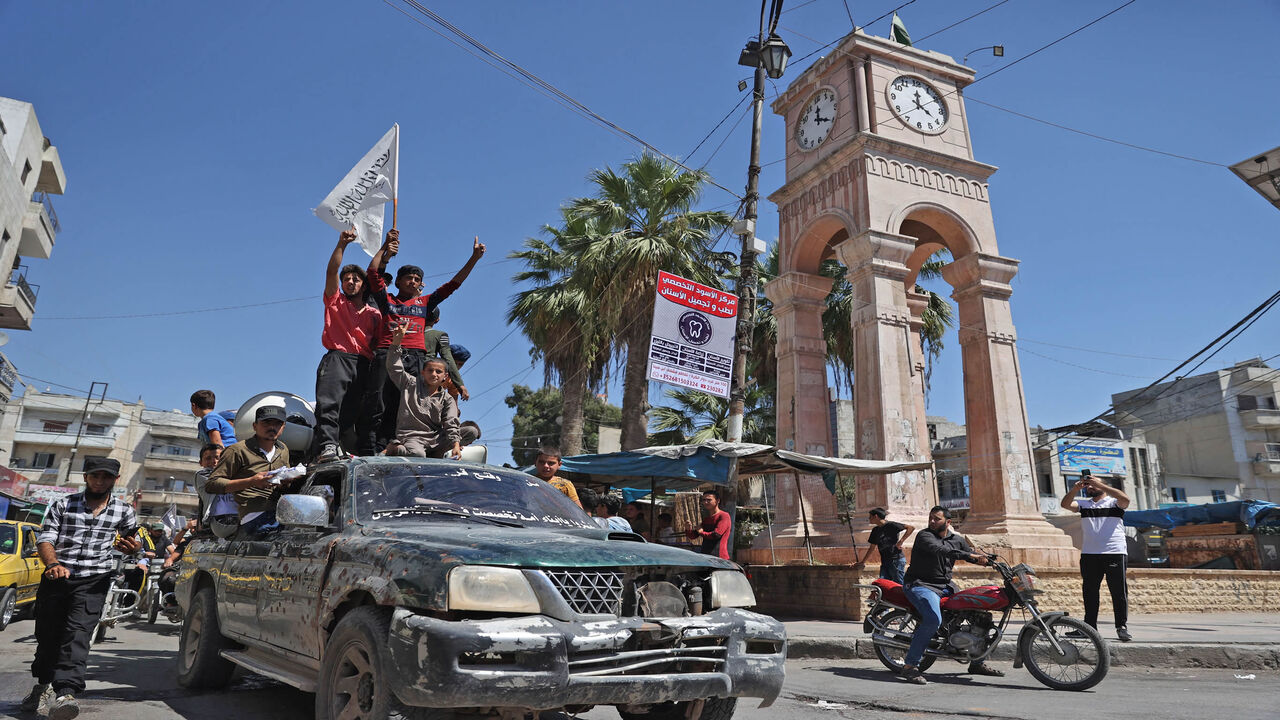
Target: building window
[1267, 402]
[92, 429]
[1178, 494]
[1219, 495]
[1046, 484]
[54, 426]
[42, 460]
[26, 170]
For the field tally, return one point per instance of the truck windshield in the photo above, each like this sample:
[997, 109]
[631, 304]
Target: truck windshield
[445, 492]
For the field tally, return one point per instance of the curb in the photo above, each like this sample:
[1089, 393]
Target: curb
[1155, 655]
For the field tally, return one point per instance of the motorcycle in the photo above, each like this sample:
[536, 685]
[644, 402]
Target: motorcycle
[1060, 651]
[155, 601]
[120, 604]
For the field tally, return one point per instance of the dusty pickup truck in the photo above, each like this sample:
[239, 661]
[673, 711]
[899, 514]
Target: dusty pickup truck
[411, 588]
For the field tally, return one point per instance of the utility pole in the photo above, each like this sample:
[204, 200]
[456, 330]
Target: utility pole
[75, 447]
[768, 55]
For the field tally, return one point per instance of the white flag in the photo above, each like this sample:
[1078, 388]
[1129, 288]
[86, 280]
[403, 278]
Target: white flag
[358, 199]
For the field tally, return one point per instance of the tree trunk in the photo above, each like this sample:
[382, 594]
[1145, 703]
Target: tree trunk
[573, 391]
[635, 383]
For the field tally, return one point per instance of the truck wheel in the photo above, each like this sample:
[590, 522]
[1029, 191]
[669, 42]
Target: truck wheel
[8, 607]
[713, 709]
[200, 661]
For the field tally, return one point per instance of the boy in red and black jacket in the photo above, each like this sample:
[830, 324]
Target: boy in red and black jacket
[407, 306]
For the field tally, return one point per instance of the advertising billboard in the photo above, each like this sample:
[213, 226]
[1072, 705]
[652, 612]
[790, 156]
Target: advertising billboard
[1101, 457]
[693, 335]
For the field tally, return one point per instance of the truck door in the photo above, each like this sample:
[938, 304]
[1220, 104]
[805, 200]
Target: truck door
[241, 577]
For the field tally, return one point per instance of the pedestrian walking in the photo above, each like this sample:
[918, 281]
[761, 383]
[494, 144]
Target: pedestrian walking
[887, 536]
[75, 543]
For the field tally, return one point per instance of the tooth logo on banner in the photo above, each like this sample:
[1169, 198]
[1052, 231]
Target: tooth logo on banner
[695, 328]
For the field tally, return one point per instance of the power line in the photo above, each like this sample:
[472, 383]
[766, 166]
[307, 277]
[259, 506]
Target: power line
[529, 78]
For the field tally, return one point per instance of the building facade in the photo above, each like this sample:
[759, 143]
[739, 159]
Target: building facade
[1218, 433]
[30, 173]
[50, 436]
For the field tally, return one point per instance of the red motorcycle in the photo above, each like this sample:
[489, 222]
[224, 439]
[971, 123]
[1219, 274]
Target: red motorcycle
[1059, 651]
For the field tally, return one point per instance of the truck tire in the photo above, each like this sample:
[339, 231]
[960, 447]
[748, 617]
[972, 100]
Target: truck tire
[8, 607]
[200, 646]
[713, 709]
[354, 672]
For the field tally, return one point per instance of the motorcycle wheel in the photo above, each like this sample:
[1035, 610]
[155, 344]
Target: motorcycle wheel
[892, 657]
[1083, 662]
[153, 610]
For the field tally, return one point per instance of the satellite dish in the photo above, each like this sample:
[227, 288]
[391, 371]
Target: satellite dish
[4, 338]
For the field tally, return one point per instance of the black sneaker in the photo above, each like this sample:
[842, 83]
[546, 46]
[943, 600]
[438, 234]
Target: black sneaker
[38, 699]
[1122, 632]
[912, 675]
[1075, 634]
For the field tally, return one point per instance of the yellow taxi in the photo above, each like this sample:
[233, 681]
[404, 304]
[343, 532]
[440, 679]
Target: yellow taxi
[20, 568]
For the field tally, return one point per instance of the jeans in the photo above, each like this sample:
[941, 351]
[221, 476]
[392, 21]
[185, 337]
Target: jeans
[894, 569]
[66, 611]
[1094, 567]
[929, 605]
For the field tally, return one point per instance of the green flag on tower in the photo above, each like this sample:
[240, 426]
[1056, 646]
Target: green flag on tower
[898, 33]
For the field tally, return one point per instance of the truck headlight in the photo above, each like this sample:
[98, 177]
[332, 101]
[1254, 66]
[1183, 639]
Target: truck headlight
[730, 588]
[491, 589]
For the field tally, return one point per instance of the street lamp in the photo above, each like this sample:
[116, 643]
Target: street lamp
[768, 54]
[997, 50]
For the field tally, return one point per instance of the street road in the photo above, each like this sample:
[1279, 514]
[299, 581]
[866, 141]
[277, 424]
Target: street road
[131, 677]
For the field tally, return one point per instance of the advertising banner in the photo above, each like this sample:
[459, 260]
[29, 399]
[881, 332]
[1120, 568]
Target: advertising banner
[1101, 457]
[693, 335]
[48, 493]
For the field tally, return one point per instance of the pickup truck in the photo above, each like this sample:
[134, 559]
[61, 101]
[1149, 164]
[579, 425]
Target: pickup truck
[418, 588]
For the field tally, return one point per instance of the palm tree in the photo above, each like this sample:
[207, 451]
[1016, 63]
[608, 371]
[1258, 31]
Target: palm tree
[646, 223]
[557, 315]
[696, 417]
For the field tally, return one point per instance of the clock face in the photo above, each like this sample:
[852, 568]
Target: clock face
[918, 104]
[816, 120]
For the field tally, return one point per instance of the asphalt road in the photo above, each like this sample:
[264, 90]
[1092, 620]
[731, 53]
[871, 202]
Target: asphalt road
[131, 677]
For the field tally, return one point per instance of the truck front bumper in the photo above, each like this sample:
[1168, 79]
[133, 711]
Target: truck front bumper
[541, 663]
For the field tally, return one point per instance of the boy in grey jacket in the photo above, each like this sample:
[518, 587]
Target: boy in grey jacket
[427, 421]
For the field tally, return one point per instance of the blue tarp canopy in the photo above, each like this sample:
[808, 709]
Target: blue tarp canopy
[687, 466]
[1249, 512]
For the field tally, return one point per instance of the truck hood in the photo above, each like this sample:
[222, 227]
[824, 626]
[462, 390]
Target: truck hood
[458, 542]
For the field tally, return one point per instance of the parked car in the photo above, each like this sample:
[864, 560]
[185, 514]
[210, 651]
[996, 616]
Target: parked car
[400, 586]
[20, 569]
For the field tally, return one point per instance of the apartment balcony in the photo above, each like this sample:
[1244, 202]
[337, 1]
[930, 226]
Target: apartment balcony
[52, 178]
[65, 439]
[18, 301]
[39, 228]
[160, 499]
[1266, 458]
[1260, 419]
[163, 462]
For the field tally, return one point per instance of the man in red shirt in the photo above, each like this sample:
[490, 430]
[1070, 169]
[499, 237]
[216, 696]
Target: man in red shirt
[407, 306]
[351, 323]
[716, 526]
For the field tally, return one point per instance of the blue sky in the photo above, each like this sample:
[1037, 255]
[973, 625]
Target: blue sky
[196, 141]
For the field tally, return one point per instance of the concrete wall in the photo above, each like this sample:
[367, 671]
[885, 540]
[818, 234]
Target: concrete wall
[823, 592]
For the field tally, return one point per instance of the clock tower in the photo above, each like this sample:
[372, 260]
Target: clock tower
[880, 175]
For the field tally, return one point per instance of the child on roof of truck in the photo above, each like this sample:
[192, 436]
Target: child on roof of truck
[427, 420]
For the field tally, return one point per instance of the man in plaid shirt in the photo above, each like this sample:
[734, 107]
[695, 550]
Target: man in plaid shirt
[75, 545]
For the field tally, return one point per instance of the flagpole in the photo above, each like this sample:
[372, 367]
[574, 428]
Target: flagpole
[395, 180]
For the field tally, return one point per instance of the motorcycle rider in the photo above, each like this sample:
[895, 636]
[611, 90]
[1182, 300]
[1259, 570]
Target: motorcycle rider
[928, 580]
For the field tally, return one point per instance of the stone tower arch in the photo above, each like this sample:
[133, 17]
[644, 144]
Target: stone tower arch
[882, 196]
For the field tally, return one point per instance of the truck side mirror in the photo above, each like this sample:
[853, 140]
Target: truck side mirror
[302, 511]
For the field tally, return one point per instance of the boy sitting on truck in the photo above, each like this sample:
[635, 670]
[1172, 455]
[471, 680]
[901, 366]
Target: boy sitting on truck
[427, 421]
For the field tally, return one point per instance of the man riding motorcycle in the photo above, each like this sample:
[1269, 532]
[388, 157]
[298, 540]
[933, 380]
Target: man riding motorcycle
[928, 580]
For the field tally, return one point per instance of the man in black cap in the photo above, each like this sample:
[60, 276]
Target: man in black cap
[75, 545]
[245, 470]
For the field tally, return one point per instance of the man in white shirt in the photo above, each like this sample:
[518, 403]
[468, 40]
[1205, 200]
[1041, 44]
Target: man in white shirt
[1103, 551]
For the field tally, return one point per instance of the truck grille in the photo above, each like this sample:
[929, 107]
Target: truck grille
[589, 592]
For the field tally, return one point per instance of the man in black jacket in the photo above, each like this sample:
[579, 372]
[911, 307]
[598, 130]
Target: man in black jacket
[928, 580]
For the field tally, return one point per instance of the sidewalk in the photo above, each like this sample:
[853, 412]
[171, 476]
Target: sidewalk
[1247, 641]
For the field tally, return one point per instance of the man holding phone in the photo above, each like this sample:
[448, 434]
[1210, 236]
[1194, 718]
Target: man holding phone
[1103, 550]
[75, 543]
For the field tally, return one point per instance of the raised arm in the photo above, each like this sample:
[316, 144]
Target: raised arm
[477, 252]
[1122, 500]
[395, 357]
[378, 265]
[331, 280]
[1069, 500]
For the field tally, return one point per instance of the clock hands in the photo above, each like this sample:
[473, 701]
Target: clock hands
[922, 107]
[817, 117]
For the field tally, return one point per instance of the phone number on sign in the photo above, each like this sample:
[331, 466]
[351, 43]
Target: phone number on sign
[676, 376]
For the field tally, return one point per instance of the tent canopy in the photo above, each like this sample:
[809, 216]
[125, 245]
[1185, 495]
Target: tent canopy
[686, 466]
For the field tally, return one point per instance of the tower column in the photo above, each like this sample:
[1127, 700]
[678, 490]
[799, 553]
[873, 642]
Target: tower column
[1004, 504]
[888, 404]
[803, 423]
